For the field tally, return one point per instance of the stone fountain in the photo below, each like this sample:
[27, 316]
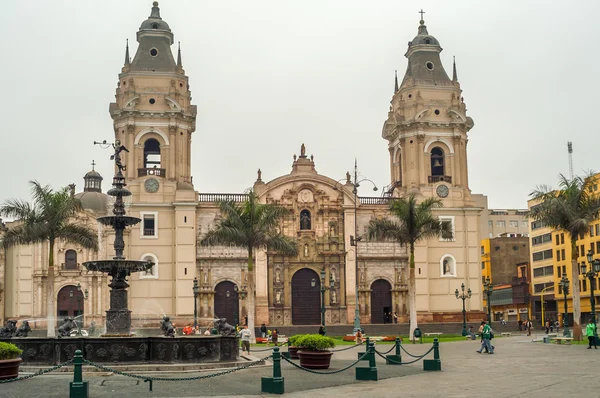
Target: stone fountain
[118, 317]
[119, 345]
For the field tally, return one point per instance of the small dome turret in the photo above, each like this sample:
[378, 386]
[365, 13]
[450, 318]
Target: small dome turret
[154, 21]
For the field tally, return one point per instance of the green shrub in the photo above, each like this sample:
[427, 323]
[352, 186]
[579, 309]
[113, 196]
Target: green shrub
[294, 339]
[315, 342]
[9, 351]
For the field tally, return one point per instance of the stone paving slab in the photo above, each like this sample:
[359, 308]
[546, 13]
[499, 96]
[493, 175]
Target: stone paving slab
[518, 368]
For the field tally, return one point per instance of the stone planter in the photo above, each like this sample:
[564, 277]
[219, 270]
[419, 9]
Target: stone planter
[293, 350]
[315, 359]
[9, 368]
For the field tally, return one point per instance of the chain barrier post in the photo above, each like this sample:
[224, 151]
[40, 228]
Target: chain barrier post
[361, 353]
[275, 384]
[368, 373]
[78, 388]
[435, 363]
[396, 359]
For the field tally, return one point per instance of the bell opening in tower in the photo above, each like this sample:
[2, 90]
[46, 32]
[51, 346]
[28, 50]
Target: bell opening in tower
[437, 162]
[151, 154]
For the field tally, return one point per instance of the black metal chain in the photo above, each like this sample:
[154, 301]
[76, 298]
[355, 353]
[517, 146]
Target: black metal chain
[346, 348]
[269, 348]
[405, 363]
[327, 373]
[41, 372]
[150, 378]
[388, 351]
[411, 355]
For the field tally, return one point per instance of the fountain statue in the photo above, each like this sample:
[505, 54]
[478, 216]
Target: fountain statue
[9, 329]
[23, 330]
[118, 316]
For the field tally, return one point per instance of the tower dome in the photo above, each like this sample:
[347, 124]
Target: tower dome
[92, 197]
[154, 21]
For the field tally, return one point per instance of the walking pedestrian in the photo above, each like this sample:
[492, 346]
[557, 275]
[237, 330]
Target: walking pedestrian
[528, 326]
[274, 336]
[520, 325]
[395, 317]
[322, 330]
[263, 330]
[486, 334]
[590, 331]
[547, 327]
[245, 335]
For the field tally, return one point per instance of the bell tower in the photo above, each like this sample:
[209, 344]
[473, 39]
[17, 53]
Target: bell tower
[427, 127]
[153, 117]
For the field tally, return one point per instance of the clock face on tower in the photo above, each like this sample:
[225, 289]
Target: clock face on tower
[442, 191]
[151, 185]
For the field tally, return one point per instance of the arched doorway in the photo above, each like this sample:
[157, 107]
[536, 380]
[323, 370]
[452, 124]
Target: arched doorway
[306, 300]
[381, 301]
[69, 302]
[226, 302]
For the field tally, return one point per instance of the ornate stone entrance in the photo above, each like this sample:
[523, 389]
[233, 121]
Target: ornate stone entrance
[381, 300]
[306, 300]
[67, 305]
[226, 302]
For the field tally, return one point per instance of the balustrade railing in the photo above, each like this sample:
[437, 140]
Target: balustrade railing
[434, 179]
[214, 197]
[154, 171]
[373, 200]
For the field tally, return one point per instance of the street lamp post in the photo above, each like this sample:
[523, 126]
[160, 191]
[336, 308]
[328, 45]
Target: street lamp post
[488, 289]
[463, 296]
[323, 288]
[591, 275]
[79, 310]
[354, 239]
[564, 283]
[196, 291]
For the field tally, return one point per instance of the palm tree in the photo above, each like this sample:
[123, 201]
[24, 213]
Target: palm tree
[414, 222]
[49, 218]
[250, 225]
[570, 208]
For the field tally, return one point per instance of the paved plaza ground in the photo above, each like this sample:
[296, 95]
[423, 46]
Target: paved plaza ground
[518, 368]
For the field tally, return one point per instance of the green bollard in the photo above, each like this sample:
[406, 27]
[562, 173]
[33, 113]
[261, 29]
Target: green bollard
[395, 359]
[78, 388]
[435, 363]
[361, 353]
[369, 373]
[275, 384]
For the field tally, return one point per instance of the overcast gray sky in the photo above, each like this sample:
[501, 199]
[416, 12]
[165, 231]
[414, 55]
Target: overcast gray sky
[270, 75]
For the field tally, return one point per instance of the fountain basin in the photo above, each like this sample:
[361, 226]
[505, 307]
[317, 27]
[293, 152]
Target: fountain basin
[123, 221]
[192, 349]
[112, 267]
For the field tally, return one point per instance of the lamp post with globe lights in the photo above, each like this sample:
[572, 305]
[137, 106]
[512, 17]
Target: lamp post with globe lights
[463, 296]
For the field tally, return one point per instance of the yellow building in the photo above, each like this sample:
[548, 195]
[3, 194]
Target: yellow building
[551, 259]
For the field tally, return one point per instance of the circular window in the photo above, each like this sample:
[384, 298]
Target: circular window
[437, 111]
[429, 65]
[152, 101]
[180, 84]
[153, 52]
[124, 83]
[409, 95]
[411, 141]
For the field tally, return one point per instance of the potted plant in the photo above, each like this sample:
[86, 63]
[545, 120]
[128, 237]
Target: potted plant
[293, 347]
[313, 352]
[9, 360]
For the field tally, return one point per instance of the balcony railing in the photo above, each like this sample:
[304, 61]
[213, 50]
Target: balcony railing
[214, 197]
[434, 179]
[69, 266]
[370, 200]
[154, 171]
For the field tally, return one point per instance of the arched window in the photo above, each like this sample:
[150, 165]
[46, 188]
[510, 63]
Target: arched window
[70, 259]
[151, 153]
[437, 162]
[305, 219]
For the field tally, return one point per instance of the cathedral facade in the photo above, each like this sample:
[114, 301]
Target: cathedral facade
[153, 116]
